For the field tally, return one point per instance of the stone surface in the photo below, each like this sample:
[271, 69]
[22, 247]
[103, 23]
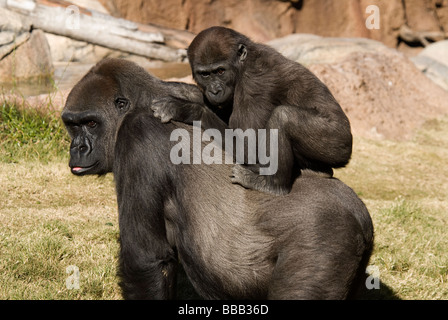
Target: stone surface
[437, 51]
[265, 20]
[433, 62]
[382, 92]
[64, 49]
[30, 60]
[309, 49]
[23, 54]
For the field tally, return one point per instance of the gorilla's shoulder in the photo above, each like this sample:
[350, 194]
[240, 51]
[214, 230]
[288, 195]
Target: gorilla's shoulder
[140, 128]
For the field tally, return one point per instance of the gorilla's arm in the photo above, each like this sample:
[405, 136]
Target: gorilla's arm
[185, 103]
[147, 262]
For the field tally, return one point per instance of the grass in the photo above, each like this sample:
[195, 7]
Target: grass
[31, 134]
[405, 188]
[50, 219]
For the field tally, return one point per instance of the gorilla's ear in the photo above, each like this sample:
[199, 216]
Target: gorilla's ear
[122, 104]
[242, 52]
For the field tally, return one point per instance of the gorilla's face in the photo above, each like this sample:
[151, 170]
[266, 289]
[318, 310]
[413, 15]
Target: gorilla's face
[217, 81]
[216, 57]
[92, 115]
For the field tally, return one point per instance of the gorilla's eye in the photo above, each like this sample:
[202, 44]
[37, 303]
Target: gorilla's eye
[204, 74]
[91, 124]
[220, 71]
[121, 103]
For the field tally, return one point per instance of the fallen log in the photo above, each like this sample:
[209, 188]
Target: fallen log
[65, 19]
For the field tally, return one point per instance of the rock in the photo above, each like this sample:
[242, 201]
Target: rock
[392, 17]
[332, 18]
[9, 45]
[30, 60]
[422, 15]
[434, 70]
[437, 51]
[7, 37]
[12, 21]
[23, 54]
[442, 14]
[64, 49]
[382, 92]
[260, 19]
[13, 31]
[293, 46]
[308, 49]
[433, 62]
[266, 20]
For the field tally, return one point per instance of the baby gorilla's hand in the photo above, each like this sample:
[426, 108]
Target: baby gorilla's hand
[166, 109]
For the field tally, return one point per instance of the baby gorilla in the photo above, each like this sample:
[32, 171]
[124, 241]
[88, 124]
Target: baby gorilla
[252, 86]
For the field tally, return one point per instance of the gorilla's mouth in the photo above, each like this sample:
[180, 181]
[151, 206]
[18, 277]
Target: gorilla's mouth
[82, 170]
[217, 98]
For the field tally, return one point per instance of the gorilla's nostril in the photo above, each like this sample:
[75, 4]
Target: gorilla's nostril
[82, 148]
[215, 89]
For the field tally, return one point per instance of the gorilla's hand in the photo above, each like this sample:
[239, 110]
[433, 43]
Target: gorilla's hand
[167, 109]
[172, 108]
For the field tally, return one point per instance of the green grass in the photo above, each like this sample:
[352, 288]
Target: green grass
[50, 219]
[31, 134]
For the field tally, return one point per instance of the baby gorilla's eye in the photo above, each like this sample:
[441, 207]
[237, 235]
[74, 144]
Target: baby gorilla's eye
[91, 124]
[121, 103]
[220, 71]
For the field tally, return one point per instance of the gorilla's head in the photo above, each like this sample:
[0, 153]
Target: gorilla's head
[95, 108]
[216, 57]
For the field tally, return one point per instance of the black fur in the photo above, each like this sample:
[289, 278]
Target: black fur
[250, 85]
[234, 243]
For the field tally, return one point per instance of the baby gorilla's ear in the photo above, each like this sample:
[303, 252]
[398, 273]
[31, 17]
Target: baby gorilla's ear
[242, 52]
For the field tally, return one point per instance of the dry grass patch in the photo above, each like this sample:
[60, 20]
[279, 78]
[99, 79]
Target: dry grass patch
[405, 187]
[52, 220]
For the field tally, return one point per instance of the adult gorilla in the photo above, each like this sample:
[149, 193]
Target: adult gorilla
[233, 243]
[250, 85]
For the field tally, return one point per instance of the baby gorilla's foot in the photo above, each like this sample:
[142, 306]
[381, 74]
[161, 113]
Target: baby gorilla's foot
[249, 177]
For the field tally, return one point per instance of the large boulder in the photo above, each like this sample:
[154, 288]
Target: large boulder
[24, 54]
[382, 92]
[29, 61]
